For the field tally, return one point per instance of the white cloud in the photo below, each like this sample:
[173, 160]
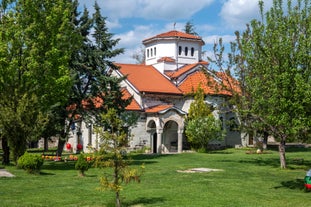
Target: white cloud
[147, 9]
[236, 13]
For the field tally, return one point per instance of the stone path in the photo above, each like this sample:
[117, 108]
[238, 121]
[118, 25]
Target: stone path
[199, 170]
[5, 173]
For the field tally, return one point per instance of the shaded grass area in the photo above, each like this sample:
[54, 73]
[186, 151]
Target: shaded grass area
[246, 180]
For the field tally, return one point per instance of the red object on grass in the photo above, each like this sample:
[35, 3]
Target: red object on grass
[79, 146]
[68, 146]
[308, 186]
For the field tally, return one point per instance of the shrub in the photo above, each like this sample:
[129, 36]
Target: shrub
[82, 164]
[32, 163]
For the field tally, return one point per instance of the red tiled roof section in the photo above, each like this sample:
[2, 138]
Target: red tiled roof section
[166, 59]
[186, 68]
[175, 33]
[146, 78]
[229, 83]
[158, 108]
[133, 106]
[207, 83]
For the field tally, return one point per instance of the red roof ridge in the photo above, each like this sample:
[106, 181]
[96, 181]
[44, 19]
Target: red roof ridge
[174, 34]
[185, 68]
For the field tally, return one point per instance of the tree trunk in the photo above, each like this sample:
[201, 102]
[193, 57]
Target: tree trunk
[60, 146]
[282, 153]
[46, 144]
[6, 152]
[118, 202]
[265, 140]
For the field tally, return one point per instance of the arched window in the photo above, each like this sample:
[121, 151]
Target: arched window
[186, 51]
[151, 52]
[179, 50]
[192, 51]
[155, 51]
[147, 53]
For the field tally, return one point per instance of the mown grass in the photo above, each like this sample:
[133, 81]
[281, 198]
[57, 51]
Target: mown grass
[246, 180]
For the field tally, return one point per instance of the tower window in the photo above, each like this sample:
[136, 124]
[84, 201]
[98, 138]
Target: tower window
[186, 51]
[179, 50]
[192, 51]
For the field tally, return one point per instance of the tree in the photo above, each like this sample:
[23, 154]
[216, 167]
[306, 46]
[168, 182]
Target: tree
[272, 60]
[90, 66]
[198, 107]
[113, 154]
[139, 56]
[190, 29]
[34, 73]
[202, 127]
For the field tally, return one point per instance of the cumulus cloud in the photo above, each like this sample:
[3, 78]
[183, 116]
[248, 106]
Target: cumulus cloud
[236, 13]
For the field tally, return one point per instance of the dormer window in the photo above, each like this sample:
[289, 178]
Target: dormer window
[186, 51]
[192, 51]
[179, 50]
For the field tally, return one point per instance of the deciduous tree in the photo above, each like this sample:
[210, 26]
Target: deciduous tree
[36, 40]
[272, 61]
[202, 127]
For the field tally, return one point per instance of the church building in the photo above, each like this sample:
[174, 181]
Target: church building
[163, 89]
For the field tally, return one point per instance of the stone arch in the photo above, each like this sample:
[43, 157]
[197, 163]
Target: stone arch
[170, 136]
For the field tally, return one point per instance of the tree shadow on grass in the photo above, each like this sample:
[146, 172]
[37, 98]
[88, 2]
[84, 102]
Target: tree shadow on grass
[51, 165]
[297, 184]
[274, 162]
[139, 159]
[144, 201]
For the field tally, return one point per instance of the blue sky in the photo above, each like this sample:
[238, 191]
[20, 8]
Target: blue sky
[135, 20]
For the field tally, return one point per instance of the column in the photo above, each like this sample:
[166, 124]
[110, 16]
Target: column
[180, 135]
[159, 141]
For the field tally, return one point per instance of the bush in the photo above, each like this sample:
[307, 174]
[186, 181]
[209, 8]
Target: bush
[32, 163]
[82, 164]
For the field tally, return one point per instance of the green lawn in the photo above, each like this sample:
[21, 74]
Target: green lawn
[246, 180]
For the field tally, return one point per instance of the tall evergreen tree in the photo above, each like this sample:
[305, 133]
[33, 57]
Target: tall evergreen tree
[94, 90]
[190, 29]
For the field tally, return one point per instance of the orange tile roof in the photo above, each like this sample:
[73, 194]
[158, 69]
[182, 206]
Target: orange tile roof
[158, 108]
[133, 106]
[146, 78]
[184, 69]
[229, 83]
[174, 34]
[166, 59]
[207, 83]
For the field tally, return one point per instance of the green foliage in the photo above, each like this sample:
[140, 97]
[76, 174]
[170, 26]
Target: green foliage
[201, 131]
[190, 29]
[30, 162]
[82, 164]
[36, 41]
[202, 127]
[113, 154]
[271, 59]
[198, 107]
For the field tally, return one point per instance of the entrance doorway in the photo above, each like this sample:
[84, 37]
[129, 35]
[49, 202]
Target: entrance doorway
[154, 143]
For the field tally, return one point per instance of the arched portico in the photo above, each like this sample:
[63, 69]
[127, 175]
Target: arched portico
[166, 131]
